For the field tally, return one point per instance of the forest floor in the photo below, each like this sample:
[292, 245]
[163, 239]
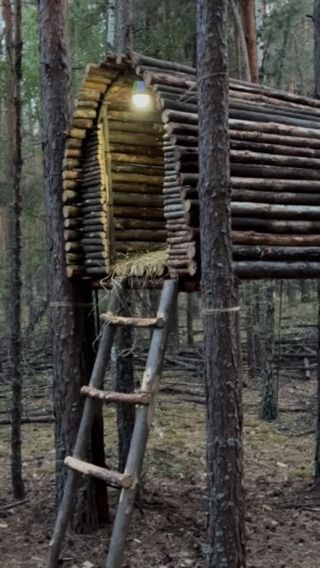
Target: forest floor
[283, 510]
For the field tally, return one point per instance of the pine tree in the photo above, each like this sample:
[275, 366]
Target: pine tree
[225, 521]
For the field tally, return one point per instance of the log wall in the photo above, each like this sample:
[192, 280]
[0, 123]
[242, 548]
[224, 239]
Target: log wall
[130, 178]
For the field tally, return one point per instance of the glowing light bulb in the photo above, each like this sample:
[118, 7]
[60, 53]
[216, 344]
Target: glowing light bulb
[140, 98]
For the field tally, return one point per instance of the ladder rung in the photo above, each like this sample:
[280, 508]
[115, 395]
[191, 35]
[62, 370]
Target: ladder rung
[134, 322]
[113, 478]
[142, 398]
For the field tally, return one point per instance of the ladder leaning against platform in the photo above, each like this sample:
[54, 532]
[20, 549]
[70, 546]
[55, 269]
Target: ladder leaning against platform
[144, 400]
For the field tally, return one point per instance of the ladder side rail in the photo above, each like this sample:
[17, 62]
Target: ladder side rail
[141, 428]
[81, 444]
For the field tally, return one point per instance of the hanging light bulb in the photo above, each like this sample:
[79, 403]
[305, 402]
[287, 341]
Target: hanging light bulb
[140, 97]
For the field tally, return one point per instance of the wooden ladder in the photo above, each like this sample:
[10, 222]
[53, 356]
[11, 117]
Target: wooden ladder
[129, 480]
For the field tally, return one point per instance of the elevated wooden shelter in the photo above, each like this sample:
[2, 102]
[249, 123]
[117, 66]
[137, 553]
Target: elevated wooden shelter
[130, 176]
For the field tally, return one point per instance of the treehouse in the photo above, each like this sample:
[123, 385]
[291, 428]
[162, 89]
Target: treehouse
[130, 199]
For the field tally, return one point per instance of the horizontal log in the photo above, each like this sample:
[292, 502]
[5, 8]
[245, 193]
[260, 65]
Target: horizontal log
[252, 238]
[276, 149]
[73, 247]
[260, 269]
[82, 123]
[89, 94]
[73, 144]
[244, 156]
[136, 139]
[121, 148]
[303, 212]
[142, 398]
[256, 170]
[71, 175]
[74, 258]
[272, 184]
[69, 184]
[272, 197]
[77, 133]
[72, 223]
[70, 235]
[138, 212]
[94, 228]
[135, 178]
[122, 187]
[100, 262]
[135, 246]
[96, 255]
[143, 224]
[136, 126]
[275, 93]
[85, 103]
[130, 116]
[140, 235]
[155, 172]
[284, 253]
[190, 265]
[265, 225]
[139, 159]
[71, 211]
[113, 478]
[159, 63]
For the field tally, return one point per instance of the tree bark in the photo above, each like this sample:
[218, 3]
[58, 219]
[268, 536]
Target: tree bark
[124, 26]
[269, 400]
[12, 19]
[122, 353]
[250, 32]
[316, 21]
[242, 39]
[70, 301]
[317, 449]
[190, 338]
[225, 521]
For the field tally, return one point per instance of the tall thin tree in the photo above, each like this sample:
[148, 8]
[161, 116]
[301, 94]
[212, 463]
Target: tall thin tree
[250, 33]
[123, 355]
[225, 521]
[12, 19]
[124, 26]
[72, 333]
[316, 21]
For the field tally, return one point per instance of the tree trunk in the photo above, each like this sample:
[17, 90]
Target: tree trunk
[257, 326]
[124, 383]
[269, 401]
[242, 39]
[70, 301]
[250, 331]
[317, 451]
[12, 19]
[190, 338]
[316, 20]
[225, 521]
[174, 337]
[111, 23]
[123, 363]
[250, 32]
[124, 26]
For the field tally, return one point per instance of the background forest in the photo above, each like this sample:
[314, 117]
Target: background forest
[279, 322]
[164, 30]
